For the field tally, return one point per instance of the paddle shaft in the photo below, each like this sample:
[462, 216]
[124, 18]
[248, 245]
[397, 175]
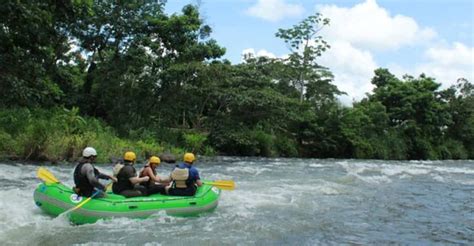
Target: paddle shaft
[87, 200]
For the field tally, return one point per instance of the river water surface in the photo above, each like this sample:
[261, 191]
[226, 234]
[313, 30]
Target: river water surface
[276, 202]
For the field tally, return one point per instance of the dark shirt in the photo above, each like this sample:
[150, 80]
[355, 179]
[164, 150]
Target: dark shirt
[123, 179]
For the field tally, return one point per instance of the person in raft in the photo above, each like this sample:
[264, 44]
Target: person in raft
[86, 176]
[185, 178]
[128, 184]
[156, 184]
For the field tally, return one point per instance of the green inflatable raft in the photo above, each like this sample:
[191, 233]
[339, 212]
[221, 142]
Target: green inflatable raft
[56, 198]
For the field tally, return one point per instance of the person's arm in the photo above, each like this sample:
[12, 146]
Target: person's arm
[164, 179]
[107, 177]
[136, 180]
[104, 176]
[133, 176]
[198, 179]
[149, 173]
[88, 170]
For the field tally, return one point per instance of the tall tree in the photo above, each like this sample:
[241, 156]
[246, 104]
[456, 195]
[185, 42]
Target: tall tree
[140, 58]
[306, 45]
[460, 98]
[34, 49]
[415, 108]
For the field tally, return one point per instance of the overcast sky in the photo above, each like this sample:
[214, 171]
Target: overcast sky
[435, 37]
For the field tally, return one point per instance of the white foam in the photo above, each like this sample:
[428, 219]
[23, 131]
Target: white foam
[368, 172]
[438, 178]
[104, 244]
[153, 244]
[375, 179]
[10, 171]
[18, 208]
[454, 170]
[392, 170]
[316, 165]
[253, 170]
[464, 182]
[404, 176]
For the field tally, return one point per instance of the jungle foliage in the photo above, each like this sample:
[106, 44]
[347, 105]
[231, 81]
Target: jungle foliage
[125, 75]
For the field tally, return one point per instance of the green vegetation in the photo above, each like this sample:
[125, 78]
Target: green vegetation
[59, 135]
[126, 76]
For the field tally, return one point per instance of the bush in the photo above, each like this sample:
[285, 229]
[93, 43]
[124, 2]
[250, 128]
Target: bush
[264, 143]
[244, 141]
[6, 143]
[452, 149]
[60, 135]
[286, 147]
[194, 142]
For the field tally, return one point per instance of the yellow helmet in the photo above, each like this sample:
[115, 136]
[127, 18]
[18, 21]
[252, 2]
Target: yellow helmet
[189, 157]
[129, 156]
[155, 160]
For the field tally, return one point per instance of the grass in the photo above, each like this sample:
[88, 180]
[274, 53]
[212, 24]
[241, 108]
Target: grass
[60, 135]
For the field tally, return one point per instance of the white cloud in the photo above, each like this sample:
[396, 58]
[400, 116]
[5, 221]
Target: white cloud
[352, 68]
[275, 10]
[260, 53]
[369, 26]
[265, 53]
[459, 55]
[447, 64]
[359, 33]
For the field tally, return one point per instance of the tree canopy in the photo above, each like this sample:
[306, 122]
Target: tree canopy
[151, 75]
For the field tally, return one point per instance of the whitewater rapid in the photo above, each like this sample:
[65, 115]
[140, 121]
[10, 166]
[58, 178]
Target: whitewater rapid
[277, 201]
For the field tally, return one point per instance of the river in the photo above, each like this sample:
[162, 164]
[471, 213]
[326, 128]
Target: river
[276, 202]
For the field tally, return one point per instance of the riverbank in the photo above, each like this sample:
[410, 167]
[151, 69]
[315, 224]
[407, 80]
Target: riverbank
[59, 135]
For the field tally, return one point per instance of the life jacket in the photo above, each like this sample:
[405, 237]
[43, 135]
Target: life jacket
[181, 178]
[83, 187]
[123, 180]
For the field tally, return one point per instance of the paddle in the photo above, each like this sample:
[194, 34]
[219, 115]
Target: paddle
[87, 200]
[46, 175]
[222, 184]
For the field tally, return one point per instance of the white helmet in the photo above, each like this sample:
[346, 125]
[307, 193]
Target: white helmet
[88, 152]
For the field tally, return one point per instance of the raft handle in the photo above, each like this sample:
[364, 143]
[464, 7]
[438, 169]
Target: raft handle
[132, 207]
[192, 203]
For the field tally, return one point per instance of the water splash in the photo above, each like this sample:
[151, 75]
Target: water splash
[277, 201]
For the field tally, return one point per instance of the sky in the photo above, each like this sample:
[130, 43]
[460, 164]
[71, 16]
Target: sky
[435, 37]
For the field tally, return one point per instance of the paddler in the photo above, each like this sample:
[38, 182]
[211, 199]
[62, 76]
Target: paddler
[86, 176]
[185, 178]
[156, 184]
[128, 183]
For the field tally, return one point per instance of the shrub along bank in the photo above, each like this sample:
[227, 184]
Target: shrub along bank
[59, 135]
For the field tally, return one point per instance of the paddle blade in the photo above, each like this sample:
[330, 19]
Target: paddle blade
[222, 184]
[46, 175]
